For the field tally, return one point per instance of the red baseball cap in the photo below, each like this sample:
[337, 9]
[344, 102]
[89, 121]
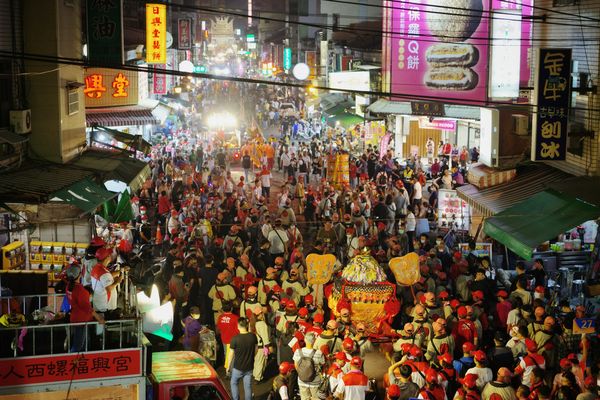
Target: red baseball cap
[319, 318]
[340, 355]
[479, 355]
[503, 294]
[303, 312]
[470, 380]
[446, 357]
[468, 347]
[356, 361]
[477, 295]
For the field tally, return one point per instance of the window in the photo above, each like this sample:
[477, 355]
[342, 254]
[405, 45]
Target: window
[73, 101]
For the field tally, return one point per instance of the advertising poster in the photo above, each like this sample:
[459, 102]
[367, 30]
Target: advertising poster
[481, 249]
[553, 94]
[453, 212]
[439, 48]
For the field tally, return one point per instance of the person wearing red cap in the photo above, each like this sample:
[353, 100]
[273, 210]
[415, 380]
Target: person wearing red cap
[467, 361]
[484, 373]
[290, 315]
[432, 389]
[468, 389]
[281, 383]
[303, 324]
[317, 324]
[104, 283]
[566, 367]
[354, 384]
[500, 388]
[250, 303]
[448, 374]
[503, 307]
[336, 370]
[529, 362]
[464, 330]
[361, 338]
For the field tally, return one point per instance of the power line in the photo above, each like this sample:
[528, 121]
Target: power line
[404, 96]
[354, 30]
[576, 17]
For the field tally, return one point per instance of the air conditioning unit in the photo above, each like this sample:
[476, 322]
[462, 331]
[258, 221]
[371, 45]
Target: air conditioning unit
[20, 121]
[520, 125]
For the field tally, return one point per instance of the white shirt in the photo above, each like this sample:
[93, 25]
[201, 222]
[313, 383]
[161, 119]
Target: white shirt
[100, 297]
[411, 222]
[278, 238]
[484, 375]
[265, 180]
[417, 191]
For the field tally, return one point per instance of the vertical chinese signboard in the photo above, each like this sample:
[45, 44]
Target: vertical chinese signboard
[553, 93]
[104, 32]
[287, 59]
[106, 87]
[184, 32]
[159, 80]
[156, 34]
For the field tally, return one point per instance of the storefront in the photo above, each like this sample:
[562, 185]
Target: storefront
[457, 125]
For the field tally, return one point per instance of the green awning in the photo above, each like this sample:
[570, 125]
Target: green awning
[135, 142]
[542, 217]
[345, 119]
[85, 195]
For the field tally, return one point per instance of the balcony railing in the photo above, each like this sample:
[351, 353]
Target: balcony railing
[47, 337]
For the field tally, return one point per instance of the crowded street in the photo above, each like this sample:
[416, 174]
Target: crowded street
[299, 200]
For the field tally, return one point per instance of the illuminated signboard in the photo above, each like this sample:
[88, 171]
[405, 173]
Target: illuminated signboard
[106, 87]
[553, 93]
[156, 33]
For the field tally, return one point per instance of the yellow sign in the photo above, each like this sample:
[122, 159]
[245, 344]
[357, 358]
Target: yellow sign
[105, 87]
[406, 269]
[156, 33]
[319, 268]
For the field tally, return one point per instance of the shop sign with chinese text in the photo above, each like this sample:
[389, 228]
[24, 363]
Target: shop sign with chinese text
[159, 80]
[184, 31]
[156, 33]
[105, 87]
[66, 367]
[553, 94]
[104, 32]
[453, 212]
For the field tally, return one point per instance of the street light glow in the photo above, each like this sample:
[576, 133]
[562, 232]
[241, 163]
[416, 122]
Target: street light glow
[221, 120]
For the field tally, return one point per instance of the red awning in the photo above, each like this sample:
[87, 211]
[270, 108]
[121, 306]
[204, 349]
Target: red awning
[120, 116]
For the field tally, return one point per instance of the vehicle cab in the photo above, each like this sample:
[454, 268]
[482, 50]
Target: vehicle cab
[185, 375]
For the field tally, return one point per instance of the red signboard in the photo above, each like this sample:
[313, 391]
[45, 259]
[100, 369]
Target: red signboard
[185, 33]
[67, 367]
[159, 81]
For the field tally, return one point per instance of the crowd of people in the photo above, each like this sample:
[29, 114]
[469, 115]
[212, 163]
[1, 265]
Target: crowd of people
[235, 263]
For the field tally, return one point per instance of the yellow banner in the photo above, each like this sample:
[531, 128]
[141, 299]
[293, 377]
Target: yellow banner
[156, 33]
[319, 268]
[406, 269]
